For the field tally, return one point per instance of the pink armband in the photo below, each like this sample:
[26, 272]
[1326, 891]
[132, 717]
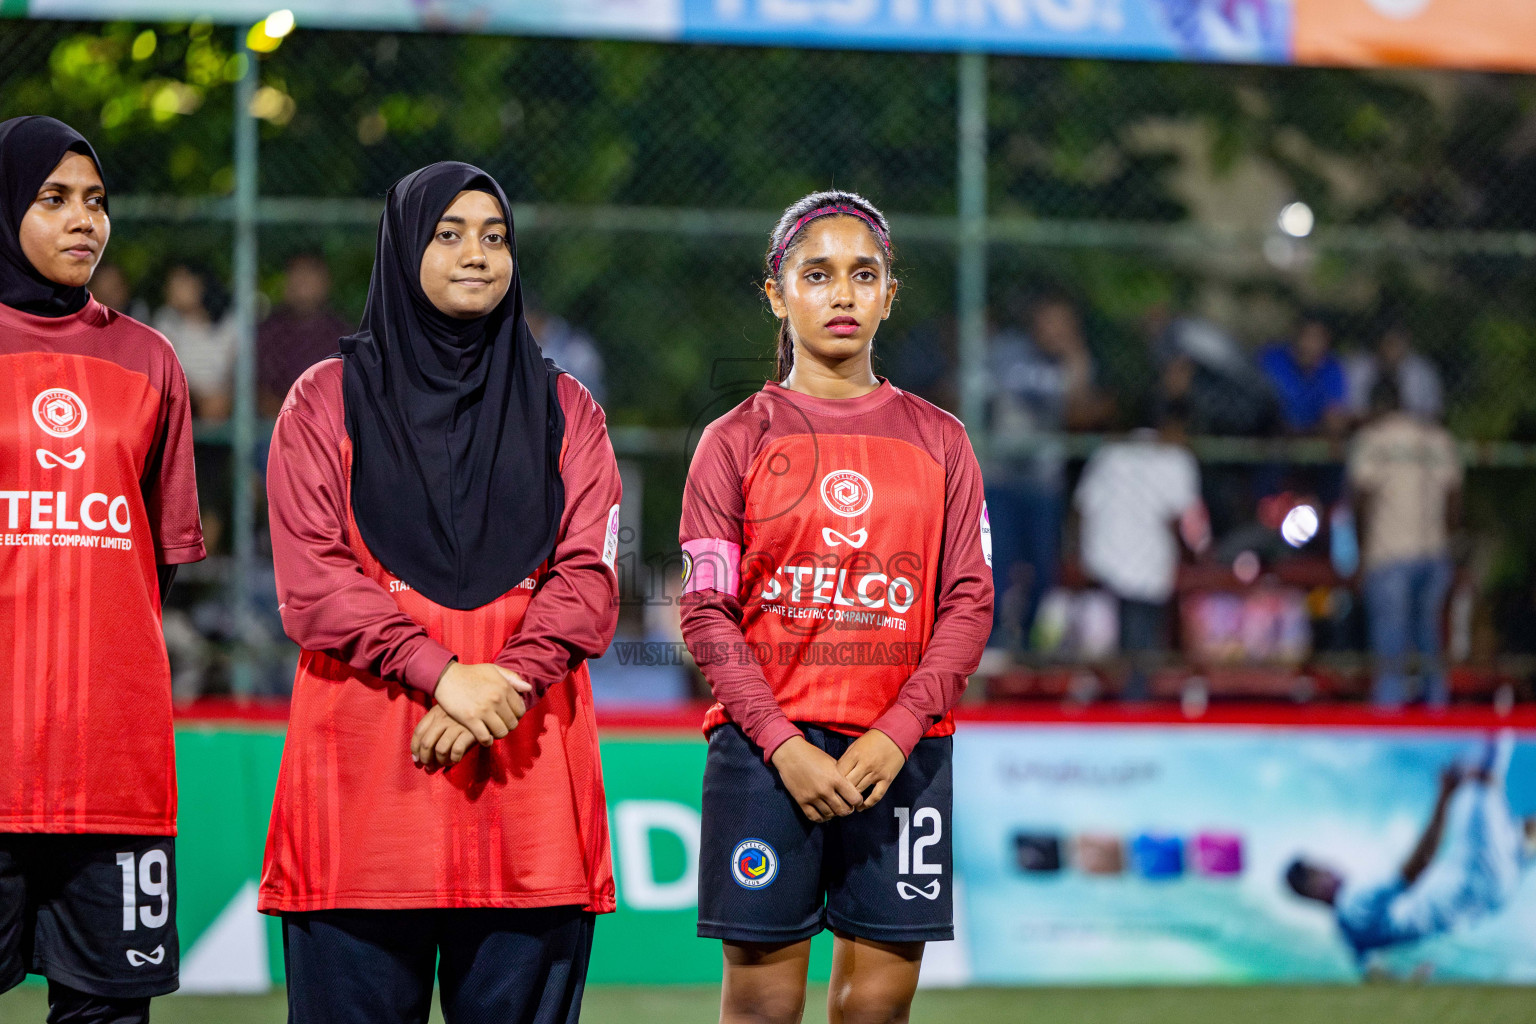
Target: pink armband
[710, 564]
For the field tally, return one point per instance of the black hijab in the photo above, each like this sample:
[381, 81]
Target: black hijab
[30, 148]
[455, 424]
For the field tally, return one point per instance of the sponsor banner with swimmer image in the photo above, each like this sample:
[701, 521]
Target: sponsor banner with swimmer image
[1131, 854]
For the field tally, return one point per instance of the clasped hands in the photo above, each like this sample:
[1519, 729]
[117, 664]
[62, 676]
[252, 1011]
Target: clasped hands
[473, 704]
[826, 788]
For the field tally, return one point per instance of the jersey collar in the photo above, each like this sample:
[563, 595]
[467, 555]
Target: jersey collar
[836, 406]
[93, 314]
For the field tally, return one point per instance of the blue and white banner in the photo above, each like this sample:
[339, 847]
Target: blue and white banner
[1222, 30]
[1214, 854]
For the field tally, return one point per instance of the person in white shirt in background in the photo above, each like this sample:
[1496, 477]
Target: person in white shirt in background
[1136, 499]
[204, 342]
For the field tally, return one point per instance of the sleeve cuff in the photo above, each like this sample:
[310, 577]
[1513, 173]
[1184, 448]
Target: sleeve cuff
[181, 555]
[425, 667]
[902, 726]
[772, 737]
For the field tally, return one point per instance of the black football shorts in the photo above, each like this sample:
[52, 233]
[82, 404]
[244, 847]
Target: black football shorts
[769, 875]
[94, 912]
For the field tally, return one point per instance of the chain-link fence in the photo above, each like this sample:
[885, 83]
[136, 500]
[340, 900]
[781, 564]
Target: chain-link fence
[1235, 255]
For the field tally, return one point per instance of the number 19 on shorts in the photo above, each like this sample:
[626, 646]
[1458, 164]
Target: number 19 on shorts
[152, 875]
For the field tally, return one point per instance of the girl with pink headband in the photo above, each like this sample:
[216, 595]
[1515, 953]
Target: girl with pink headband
[837, 594]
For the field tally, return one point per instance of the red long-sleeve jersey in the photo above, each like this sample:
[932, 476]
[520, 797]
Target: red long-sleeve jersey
[837, 565]
[354, 822]
[96, 487]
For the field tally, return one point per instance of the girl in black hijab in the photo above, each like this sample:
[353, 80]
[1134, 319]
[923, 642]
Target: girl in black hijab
[96, 461]
[30, 149]
[454, 421]
[444, 507]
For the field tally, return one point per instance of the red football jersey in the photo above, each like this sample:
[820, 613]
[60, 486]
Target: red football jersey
[96, 487]
[354, 822]
[837, 565]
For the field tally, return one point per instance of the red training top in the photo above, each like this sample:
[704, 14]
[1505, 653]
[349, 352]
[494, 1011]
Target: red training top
[96, 487]
[836, 565]
[355, 823]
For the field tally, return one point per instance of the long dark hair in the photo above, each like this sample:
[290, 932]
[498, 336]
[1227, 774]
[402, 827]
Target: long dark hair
[777, 251]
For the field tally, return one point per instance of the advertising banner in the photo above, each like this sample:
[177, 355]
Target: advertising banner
[1177, 854]
[1223, 30]
[622, 19]
[1084, 854]
[1495, 34]
[1498, 34]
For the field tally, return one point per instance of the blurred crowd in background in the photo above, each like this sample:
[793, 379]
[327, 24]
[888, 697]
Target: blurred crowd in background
[1234, 311]
[1127, 565]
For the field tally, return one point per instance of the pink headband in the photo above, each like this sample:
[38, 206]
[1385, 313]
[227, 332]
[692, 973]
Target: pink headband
[822, 211]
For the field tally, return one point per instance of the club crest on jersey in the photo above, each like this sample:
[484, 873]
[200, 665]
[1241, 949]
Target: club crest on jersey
[687, 568]
[754, 864]
[846, 493]
[59, 412]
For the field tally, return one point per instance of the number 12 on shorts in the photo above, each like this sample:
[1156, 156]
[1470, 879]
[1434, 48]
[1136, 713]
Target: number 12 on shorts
[910, 854]
[153, 876]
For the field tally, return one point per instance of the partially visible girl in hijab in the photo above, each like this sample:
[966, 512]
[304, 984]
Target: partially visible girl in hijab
[444, 508]
[99, 502]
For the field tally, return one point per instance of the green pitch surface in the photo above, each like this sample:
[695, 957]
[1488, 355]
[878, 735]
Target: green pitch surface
[1386, 1004]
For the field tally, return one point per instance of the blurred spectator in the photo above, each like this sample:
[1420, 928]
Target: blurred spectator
[1417, 380]
[1203, 366]
[203, 341]
[1136, 497]
[1042, 384]
[922, 358]
[571, 348]
[1406, 478]
[1308, 380]
[109, 286]
[299, 333]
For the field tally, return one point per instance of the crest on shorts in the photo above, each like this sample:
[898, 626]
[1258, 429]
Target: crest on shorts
[59, 411]
[847, 493]
[754, 864]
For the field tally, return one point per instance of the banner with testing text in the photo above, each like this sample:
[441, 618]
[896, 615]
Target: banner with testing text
[1498, 34]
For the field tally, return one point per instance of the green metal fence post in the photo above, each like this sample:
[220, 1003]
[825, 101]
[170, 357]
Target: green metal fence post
[971, 257]
[243, 419]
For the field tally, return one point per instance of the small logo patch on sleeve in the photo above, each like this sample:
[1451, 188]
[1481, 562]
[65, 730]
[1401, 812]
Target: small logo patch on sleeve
[986, 535]
[611, 541]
